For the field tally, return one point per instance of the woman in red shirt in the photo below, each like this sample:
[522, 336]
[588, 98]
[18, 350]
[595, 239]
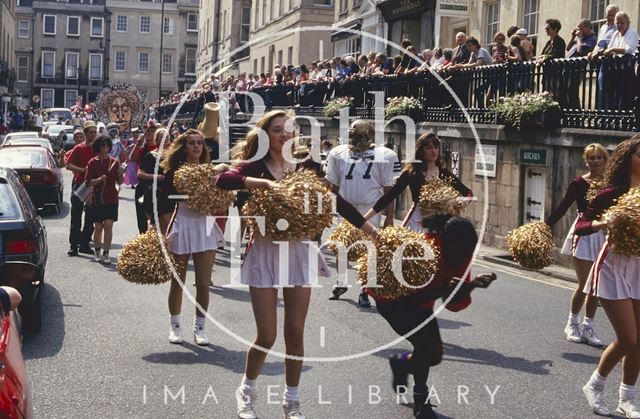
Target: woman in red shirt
[103, 173]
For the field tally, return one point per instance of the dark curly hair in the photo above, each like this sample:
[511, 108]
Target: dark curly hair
[619, 168]
[421, 142]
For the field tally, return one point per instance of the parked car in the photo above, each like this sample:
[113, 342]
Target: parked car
[23, 238]
[52, 133]
[15, 392]
[67, 140]
[55, 113]
[21, 134]
[29, 142]
[39, 173]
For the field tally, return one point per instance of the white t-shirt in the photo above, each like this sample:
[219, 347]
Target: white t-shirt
[628, 41]
[359, 176]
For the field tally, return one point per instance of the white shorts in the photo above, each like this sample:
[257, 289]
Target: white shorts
[193, 232]
[614, 276]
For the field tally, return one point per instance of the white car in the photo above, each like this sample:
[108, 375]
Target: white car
[55, 113]
[36, 142]
[21, 134]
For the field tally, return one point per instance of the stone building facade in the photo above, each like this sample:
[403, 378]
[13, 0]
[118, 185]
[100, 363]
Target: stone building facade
[7, 45]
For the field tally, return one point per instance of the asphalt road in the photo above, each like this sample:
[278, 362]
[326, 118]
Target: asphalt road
[103, 349]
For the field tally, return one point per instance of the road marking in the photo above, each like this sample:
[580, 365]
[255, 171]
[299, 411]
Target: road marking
[322, 336]
[514, 272]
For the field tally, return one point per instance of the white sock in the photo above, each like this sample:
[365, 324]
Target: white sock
[175, 320]
[199, 321]
[597, 381]
[574, 318]
[587, 322]
[627, 392]
[249, 385]
[291, 393]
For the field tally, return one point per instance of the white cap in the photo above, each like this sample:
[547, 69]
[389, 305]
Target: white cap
[522, 31]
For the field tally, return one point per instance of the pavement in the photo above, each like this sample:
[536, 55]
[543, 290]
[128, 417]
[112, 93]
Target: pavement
[103, 349]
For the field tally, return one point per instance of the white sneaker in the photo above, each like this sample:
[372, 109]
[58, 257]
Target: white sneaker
[589, 336]
[96, 256]
[175, 334]
[292, 410]
[629, 409]
[595, 398]
[573, 332]
[105, 259]
[199, 336]
[246, 404]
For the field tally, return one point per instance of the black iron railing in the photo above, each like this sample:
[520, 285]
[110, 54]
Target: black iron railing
[600, 94]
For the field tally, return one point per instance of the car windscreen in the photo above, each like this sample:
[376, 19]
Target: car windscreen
[9, 207]
[27, 142]
[21, 158]
[54, 115]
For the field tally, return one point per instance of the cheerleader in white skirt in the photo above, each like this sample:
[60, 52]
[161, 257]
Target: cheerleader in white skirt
[190, 233]
[261, 268]
[615, 278]
[414, 175]
[584, 249]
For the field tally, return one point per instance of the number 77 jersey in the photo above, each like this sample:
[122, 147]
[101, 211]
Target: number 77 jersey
[362, 175]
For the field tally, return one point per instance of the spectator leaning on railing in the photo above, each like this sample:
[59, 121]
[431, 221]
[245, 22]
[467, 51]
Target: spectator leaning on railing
[582, 42]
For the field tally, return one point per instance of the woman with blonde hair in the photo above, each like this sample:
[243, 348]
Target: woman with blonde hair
[614, 279]
[584, 249]
[190, 234]
[261, 267]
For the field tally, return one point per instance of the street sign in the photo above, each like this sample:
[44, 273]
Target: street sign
[458, 8]
[533, 156]
[488, 167]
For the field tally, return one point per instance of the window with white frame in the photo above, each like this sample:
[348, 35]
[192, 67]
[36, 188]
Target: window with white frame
[73, 25]
[255, 18]
[71, 65]
[70, 98]
[274, 12]
[192, 22]
[290, 55]
[23, 68]
[49, 24]
[190, 61]
[95, 66]
[121, 23]
[167, 63]
[145, 24]
[531, 13]
[143, 62]
[46, 98]
[97, 27]
[48, 64]
[168, 26]
[245, 25]
[492, 21]
[597, 10]
[352, 46]
[24, 29]
[120, 60]
[264, 12]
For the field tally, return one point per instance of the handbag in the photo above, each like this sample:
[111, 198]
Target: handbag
[84, 192]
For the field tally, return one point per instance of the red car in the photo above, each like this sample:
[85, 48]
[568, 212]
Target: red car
[39, 172]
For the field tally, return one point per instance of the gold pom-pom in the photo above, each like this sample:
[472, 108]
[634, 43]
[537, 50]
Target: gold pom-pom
[347, 234]
[595, 187]
[439, 196]
[195, 180]
[531, 245]
[625, 235]
[301, 208]
[142, 261]
[414, 272]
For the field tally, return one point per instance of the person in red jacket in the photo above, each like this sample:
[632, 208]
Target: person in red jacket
[614, 278]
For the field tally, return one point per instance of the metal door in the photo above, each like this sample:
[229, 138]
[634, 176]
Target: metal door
[534, 193]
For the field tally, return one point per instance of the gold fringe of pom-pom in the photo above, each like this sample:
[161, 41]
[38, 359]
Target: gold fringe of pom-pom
[195, 180]
[625, 235]
[595, 187]
[347, 234]
[415, 272]
[302, 208]
[531, 245]
[439, 196]
[142, 261]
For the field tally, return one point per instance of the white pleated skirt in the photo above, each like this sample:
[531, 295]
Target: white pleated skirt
[614, 276]
[269, 264]
[588, 247]
[193, 232]
[413, 220]
[571, 241]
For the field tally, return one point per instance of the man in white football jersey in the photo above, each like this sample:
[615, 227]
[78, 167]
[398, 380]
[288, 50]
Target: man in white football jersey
[362, 173]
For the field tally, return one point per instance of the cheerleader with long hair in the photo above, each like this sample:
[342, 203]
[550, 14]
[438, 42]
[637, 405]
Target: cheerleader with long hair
[429, 165]
[260, 270]
[191, 233]
[584, 249]
[614, 278]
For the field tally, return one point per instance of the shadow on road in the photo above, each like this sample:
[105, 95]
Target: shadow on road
[49, 341]
[492, 358]
[216, 356]
[581, 358]
[47, 213]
